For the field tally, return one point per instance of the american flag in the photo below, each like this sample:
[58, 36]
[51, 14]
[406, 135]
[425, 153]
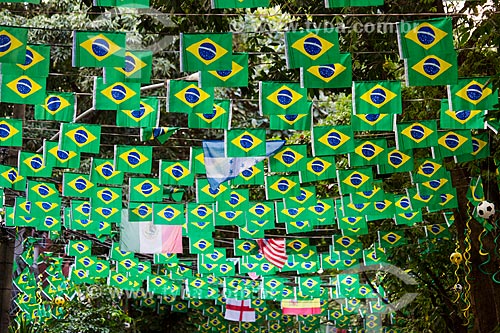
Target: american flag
[274, 251]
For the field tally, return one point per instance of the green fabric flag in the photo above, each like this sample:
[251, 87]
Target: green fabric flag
[84, 138]
[462, 119]
[236, 199]
[57, 107]
[352, 3]
[201, 245]
[282, 98]
[298, 122]
[169, 214]
[251, 176]
[475, 192]
[176, 173]
[104, 172]
[11, 132]
[22, 89]
[318, 168]
[36, 63]
[245, 142]
[122, 3]
[332, 140]
[134, 159]
[260, 215]
[230, 217]
[80, 210]
[237, 76]
[78, 248]
[197, 159]
[306, 198]
[138, 66]
[377, 97]
[42, 192]
[11, 178]
[437, 231]
[98, 49]
[205, 194]
[116, 95]
[472, 94]
[77, 185]
[290, 158]
[278, 187]
[355, 180]
[109, 197]
[220, 117]
[337, 74]
[372, 122]
[428, 169]
[305, 48]
[374, 194]
[140, 211]
[324, 212]
[431, 70]
[145, 190]
[396, 161]
[421, 38]
[14, 40]
[162, 134]
[421, 134]
[419, 200]
[58, 158]
[187, 97]
[480, 149]
[147, 115]
[368, 152]
[239, 3]
[390, 239]
[202, 52]
[453, 143]
[33, 165]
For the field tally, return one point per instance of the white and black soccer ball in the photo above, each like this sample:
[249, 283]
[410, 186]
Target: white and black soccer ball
[485, 209]
[457, 288]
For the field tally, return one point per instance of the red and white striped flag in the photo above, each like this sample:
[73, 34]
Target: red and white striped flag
[274, 251]
[237, 310]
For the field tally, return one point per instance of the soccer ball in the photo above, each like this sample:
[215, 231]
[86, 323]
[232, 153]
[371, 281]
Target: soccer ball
[59, 301]
[456, 258]
[457, 287]
[485, 209]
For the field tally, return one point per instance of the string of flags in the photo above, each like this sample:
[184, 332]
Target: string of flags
[154, 218]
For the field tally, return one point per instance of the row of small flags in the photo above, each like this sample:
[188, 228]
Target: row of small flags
[177, 286]
[220, 3]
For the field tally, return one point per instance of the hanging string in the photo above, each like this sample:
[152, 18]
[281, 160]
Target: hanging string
[467, 266]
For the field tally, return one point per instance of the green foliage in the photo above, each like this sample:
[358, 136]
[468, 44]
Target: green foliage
[94, 309]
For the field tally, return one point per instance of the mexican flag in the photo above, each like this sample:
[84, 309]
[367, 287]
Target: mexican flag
[147, 237]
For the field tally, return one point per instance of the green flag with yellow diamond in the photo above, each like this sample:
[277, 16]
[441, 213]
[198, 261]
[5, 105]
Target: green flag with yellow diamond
[377, 97]
[57, 106]
[146, 115]
[475, 93]
[421, 38]
[282, 98]
[187, 97]
[337, 74]
[432, 70]
[134, 159]
[13, 49]
[22, 89]
[116, 95]
[219, 117]
[236, 76]
[11, 132]
[307, 48]
[201, 52]
[58, 158]
[245, 142]
[98, 49]
[84, 138]
[138, 66]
